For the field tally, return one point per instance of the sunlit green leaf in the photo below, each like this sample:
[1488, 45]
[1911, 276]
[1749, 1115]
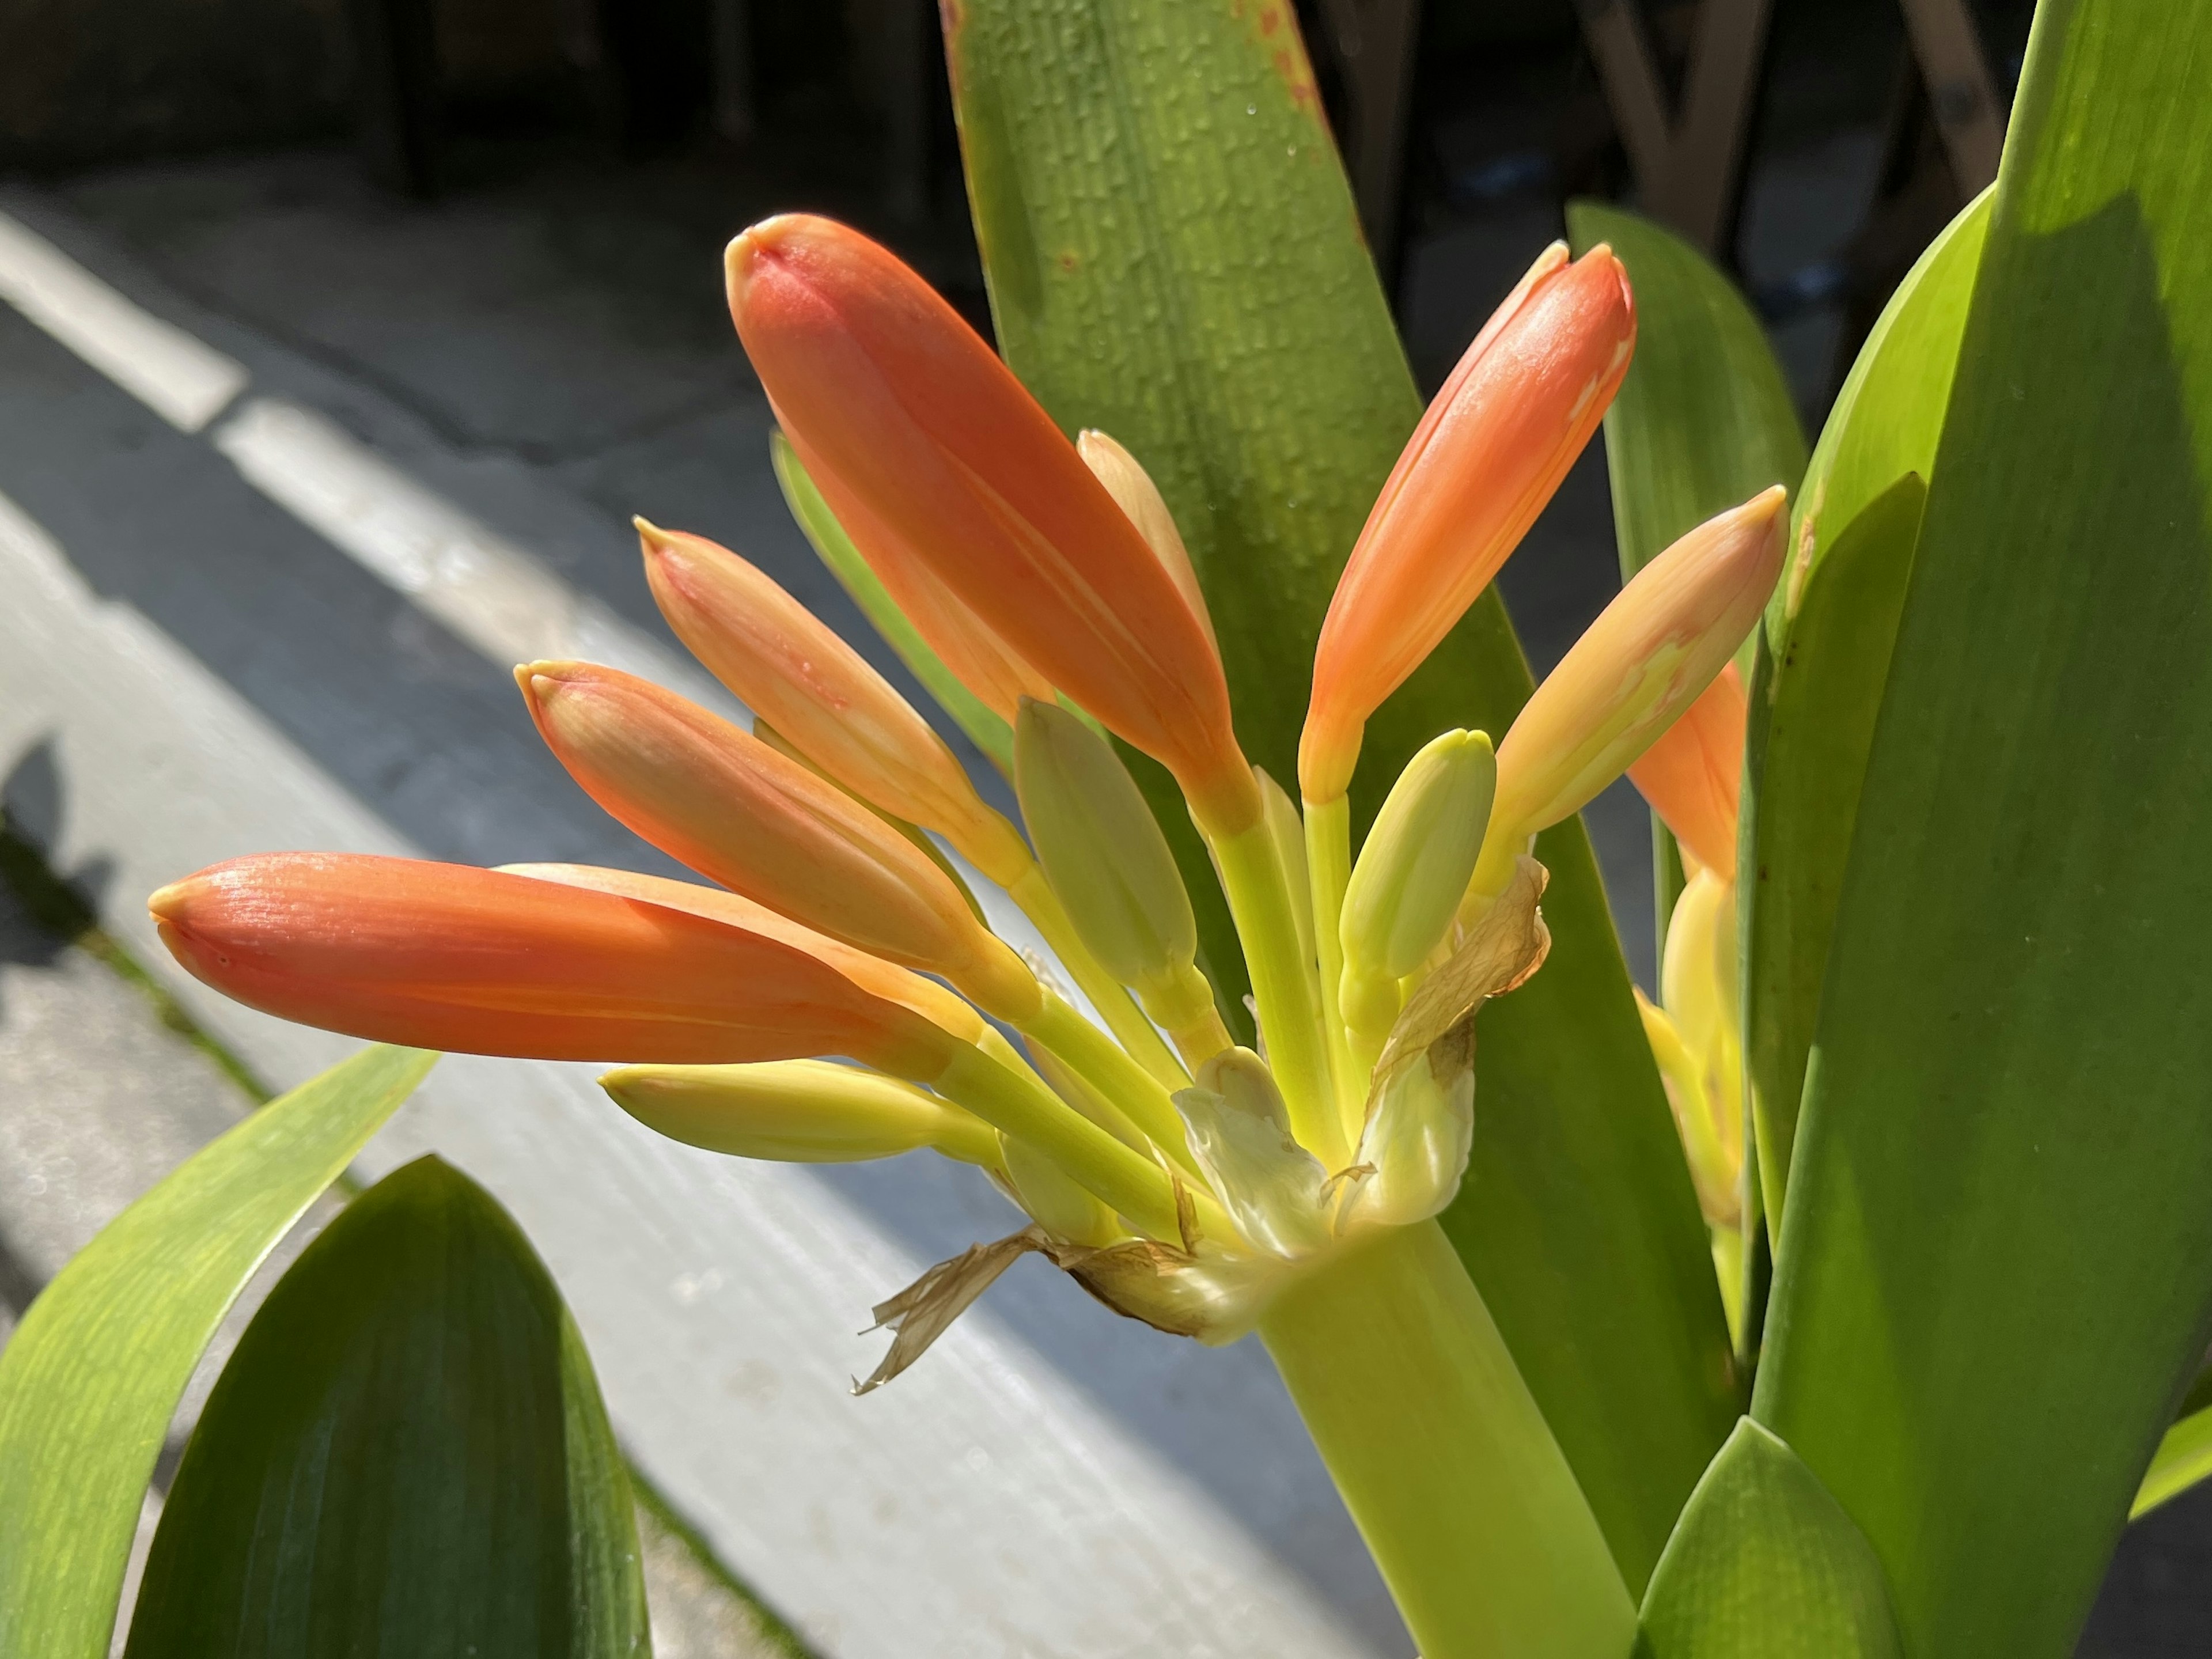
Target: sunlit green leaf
[2184, 1458]
[89, 1380]
[1812, 724]
[407, 1455]
[1996, 1271]
[1767, 1566]
[1174, 257]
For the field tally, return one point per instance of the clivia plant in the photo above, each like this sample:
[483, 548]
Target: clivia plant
[1840, 1301]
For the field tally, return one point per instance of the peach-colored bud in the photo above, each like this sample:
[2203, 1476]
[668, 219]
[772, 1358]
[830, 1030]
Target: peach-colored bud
[1134, 492]
[977, 658]
[725, 804]
[1484, 459]
[872, 974]
[1647, 656]
[445, 956]
[880, 382]
[1693, 772]
[815, 690]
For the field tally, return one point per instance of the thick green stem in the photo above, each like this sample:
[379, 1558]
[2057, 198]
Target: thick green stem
[1445, 1460]
[1253, 876]
[1122, 1016]
[1113, 1074]
[1328, 867]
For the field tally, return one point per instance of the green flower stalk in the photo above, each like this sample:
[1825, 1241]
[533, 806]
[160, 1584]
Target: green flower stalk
[1208, 1189]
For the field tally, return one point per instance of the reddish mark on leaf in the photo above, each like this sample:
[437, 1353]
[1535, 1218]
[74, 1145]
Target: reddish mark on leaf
[1067, 262]
[1270, 20]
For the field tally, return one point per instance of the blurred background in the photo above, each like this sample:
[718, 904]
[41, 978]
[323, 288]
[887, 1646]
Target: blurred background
[342, 340]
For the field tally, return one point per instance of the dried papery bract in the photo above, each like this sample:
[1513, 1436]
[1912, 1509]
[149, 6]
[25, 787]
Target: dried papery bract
[734, 810]
[445, 956]
[1693, 773]
[1486, 456]
[814, 689]
[881, 385]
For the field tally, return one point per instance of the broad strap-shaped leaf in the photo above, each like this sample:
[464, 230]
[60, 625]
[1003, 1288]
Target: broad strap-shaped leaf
[1765, 1565]
[1812, 723]
[89, 1380]
[1888, 417]
[1995, 1270]
[835, 548]
[2184, 1458]
[1703, 423]
[407, 1455]
[1817, 688]
[1174, 257]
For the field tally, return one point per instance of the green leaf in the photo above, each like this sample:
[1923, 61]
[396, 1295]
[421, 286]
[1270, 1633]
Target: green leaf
[1704, 421]
[1765, 1565]
[1888, 417]
[1813, 705]
[407, 1455]
[90, 1379]
[835, 548]
[1812, 724]
[1174, 257]
[1995, 1272]
[2184, 1458]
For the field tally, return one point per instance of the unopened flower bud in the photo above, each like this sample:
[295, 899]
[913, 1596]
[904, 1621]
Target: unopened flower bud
[723, 802]
[1134, 492]
[1486, 456]
[1415, 865]
[1693, 773]
[886, 390]
[1103, 850]
[815, 689]
[798, 1111]
[1646, 658]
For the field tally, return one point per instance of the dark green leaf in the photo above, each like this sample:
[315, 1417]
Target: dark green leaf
[1704, 421]
[89, 1380]
[1767, 1566]
[1812, 724]
[1995, 1272]
[407, 1455]
[1174, 257]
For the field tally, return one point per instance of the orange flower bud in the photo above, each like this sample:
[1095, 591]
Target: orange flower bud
[872, 974]
[978, 659]
[817, 692]
[731, 807]
[1691, 773]
[1484, 459]
[878, 380]
[445, 956]
[1134, 492]
[1650, 652]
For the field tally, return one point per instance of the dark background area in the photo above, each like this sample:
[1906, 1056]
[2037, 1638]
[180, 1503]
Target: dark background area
[654, 127]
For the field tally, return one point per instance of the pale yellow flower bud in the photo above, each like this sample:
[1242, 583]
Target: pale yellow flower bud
[798, 1111]
[1136, 496]
[1104, 854]
[1411, 873]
